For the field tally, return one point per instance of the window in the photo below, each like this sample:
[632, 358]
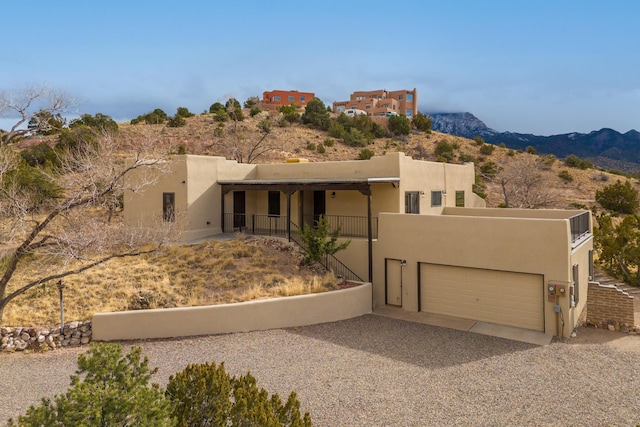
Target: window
[276, 98]
[274, 203]
[303, 99]
[412, 202]
[168, 206]
[460, 199]
[436, 198]
[576, 285]
[400, 97]
[291, 98]
[409, 97]
[591, 270]
[409, 113]
[368, 106]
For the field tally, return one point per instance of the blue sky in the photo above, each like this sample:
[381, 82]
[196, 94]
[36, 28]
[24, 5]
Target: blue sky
[543, 67]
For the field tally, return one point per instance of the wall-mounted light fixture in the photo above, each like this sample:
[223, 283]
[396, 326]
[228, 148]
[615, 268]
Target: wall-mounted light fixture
[333, 194]
[403, 263]
[184, 182]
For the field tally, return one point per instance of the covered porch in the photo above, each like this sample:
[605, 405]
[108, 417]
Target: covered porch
[305, 200]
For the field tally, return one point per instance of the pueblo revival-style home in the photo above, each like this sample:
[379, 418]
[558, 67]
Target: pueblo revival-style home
[381, 103]
[418, 233]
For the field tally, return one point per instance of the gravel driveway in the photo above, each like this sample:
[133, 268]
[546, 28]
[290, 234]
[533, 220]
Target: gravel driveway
[376, 371]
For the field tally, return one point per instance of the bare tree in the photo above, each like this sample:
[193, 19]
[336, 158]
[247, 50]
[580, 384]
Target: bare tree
[33, 104]
[245, 145]
[522, 183]
[68, 226]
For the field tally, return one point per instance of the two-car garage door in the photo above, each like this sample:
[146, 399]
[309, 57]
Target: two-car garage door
[502, 297]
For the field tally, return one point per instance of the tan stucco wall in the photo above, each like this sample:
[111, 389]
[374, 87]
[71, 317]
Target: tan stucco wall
[537, 246]
[228, 318]
[356, 257]
[513, 213]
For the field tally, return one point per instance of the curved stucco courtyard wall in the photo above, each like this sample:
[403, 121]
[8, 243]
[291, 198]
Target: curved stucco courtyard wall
[238, 317]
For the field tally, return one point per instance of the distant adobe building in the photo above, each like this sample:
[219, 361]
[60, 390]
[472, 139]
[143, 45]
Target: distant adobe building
[381, 103]
[286, 97]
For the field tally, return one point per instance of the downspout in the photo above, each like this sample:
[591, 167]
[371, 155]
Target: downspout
[370, 235]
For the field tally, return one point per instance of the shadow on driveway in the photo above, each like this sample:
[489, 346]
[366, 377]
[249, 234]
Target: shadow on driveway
[414, 343]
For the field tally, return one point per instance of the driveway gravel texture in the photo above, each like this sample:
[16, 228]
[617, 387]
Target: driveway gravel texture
[376, 371]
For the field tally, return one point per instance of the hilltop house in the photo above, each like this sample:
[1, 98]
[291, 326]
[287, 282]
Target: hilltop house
[417, 230]
[286, 97]
[381, 103]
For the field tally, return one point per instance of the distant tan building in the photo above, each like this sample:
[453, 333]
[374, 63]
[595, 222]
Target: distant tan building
[286, 97]
[418, 232]
[381, 103]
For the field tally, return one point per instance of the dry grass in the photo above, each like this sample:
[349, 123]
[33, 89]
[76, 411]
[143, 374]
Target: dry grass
[208, 273]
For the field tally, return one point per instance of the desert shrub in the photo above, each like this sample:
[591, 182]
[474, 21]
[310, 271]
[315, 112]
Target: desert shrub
[354, 138]
[38, 155]
[618, 197]
[321, 149]
[254, 111]
[444, 151]
[251, 102]
[464, 157]
[283, 122]
[422, 122]
[502, 145]
[109, 389]
[316, 114]
[574, 161]
[176, 121]
[215, 107]
[311, 146]
[511, 153]
[489, 169]
[565, 175]
[336, 130]
[366, 154]
[290, 113]
[399, 125]
[478, 140]
[531, 149]
[206, 395]
[100, 122]
[328, 142]
[320, 240]
[184, 112]
[182, 149]
[487, 149]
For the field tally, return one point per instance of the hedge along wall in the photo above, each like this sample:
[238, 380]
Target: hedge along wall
[238, 317]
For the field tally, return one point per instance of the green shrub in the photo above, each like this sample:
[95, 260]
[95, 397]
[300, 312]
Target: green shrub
[184, 112]
[618, 197]
[316, 114]
[329, 142]
[216, 107]
[354, 138]
[41, 154]
[311, 146]
[574, 161]
[444, 150]
[251, 102]
[206, 395]
[182, 149]
[254, 111]
[502, 145]
[221, 116]
[366, 154]
[399, 125]
[511, 153]
[478, 140]
[155, 117]
[531, 149]
[109, 389]
[487, 149]
[565, 175]
[321, 149]
[464, 157]
[290, 113]
[176, 122]
[422, 122]
[336, 130]
[100, 122]
[489, 169]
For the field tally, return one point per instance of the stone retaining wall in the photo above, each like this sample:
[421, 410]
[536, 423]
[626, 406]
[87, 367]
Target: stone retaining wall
[20, 339]
[609, 305]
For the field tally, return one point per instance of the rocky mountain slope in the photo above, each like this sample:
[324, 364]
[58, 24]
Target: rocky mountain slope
[606, 148]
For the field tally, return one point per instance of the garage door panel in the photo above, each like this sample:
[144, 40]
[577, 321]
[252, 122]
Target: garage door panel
[514, 299]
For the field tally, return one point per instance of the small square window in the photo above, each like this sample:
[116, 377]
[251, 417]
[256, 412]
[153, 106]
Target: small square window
[276, 98]
[303, 99]
[409, 97]
[368, 106]
[291, 98]
[436, 198]
[400, 97]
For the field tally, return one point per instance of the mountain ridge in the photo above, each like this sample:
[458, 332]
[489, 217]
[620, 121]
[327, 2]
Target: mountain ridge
[606, 147]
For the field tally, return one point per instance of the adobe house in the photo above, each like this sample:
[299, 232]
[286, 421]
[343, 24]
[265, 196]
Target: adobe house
[418, 232]
[286, 97]
[381, 103]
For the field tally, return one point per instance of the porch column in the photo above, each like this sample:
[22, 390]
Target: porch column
[222, 209]
[289, 215]
[370, 235]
